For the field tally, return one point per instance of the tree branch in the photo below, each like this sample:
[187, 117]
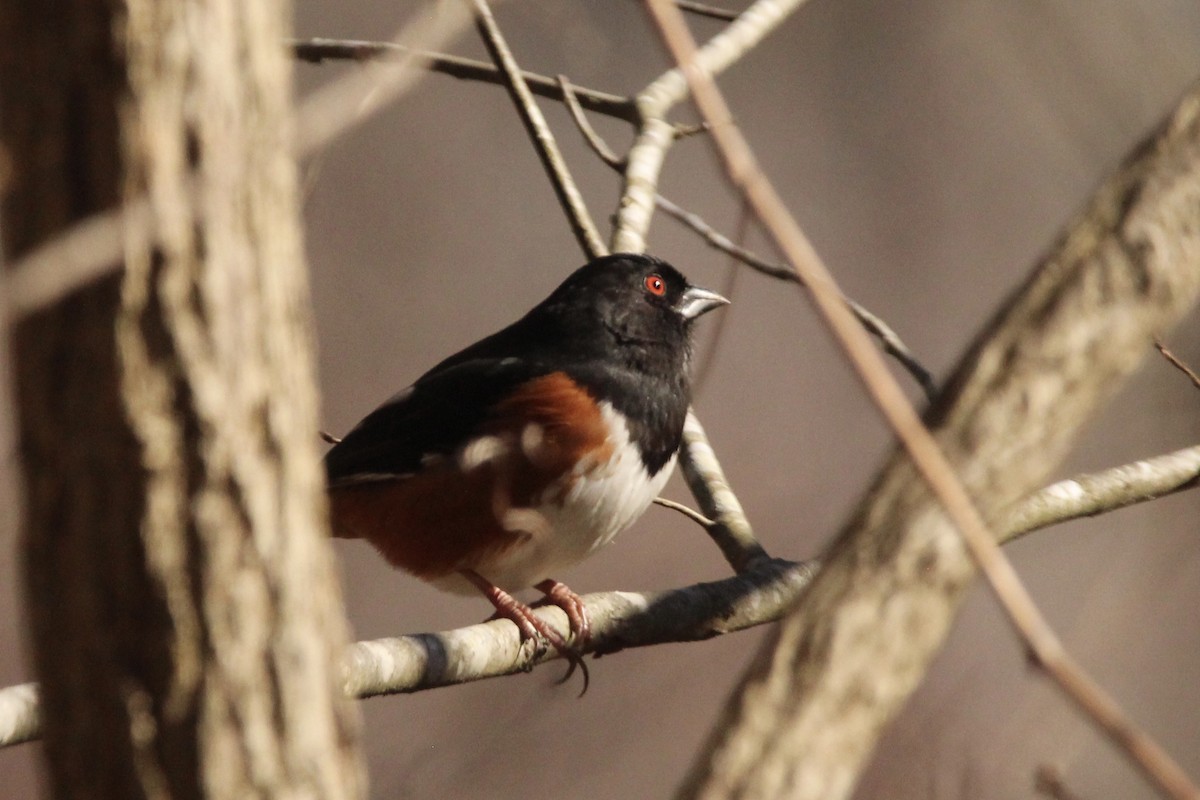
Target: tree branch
[656, 135]
[317, 50]
[620, 620]
[704, 10]
[594, 140]
[731, 529]
[759, 595]
[1099, 493]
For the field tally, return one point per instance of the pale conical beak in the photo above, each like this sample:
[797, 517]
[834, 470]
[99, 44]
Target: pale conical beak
[695, 301]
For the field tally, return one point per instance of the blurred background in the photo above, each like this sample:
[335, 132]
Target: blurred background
[932, 149]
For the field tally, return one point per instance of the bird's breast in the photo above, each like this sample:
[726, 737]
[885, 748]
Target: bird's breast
[571, 518]
[602, 499]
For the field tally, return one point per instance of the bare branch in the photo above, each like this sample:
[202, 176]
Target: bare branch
[894, 346]
[689, 512]
[594, 140]
[706, 480]
[656, 135]
[543, 139]
[1099, 493]
[71, 260]
[792, 709]
[344, 103]
[760, 595]
[720, 241]
[683, 131]
[1177, 363]
[719, 53]
[703, 10]
[620, 620]
[317, 50]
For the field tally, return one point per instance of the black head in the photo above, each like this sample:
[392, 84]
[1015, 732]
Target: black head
[625, 310]
[634, 301]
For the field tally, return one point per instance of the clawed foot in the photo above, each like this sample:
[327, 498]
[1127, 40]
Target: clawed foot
[533, 627]
[577, 619]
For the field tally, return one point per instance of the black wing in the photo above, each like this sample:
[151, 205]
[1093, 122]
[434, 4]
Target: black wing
[435, 416]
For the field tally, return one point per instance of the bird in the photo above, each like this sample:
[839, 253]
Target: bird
[527, 451]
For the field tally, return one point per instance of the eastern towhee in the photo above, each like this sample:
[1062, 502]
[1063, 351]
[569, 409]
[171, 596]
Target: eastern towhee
[530, 449]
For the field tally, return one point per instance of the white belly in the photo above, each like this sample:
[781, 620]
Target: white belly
[602, 501]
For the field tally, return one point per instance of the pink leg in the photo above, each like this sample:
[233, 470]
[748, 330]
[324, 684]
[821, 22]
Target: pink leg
[529, 624]
[558, 594]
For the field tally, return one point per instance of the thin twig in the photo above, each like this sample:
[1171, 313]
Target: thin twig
[317, 50]
[593, 139]
[683, 131]
[1177, 363]
[744, 172]
[344, 103]
[556, 168]
[892, 344]
[72, 259]
[722, 51]
[703, 10]
[731, 530]
[689, 512]
[721, 242]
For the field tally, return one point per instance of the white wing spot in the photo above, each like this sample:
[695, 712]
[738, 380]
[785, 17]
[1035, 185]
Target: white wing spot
[575, 518]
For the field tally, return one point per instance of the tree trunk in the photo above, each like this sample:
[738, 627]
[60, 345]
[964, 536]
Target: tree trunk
[185, 614]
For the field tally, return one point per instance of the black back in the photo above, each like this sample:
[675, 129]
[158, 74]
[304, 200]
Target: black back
[601, 326]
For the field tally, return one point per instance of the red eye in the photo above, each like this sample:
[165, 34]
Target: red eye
[655, 285]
